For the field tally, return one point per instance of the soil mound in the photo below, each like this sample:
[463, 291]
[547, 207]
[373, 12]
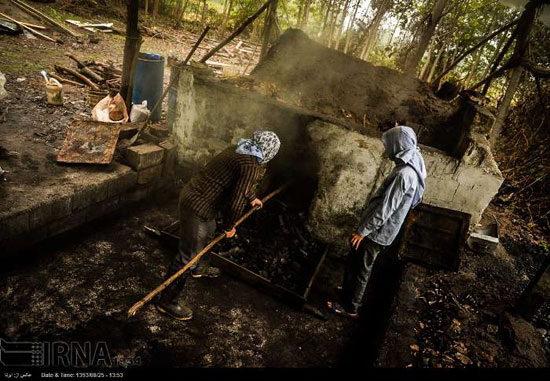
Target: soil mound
[310, 75]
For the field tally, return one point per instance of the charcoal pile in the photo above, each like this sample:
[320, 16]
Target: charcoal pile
[276, 244]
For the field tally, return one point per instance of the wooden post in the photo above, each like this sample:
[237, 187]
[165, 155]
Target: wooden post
[270, 19]
[131, 50]
[247, 22]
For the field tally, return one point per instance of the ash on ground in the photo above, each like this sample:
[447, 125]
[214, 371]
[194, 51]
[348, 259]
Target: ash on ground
[276, 244]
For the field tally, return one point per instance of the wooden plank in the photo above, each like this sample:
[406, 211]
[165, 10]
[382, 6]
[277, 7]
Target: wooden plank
[29, 28]
[27, 8]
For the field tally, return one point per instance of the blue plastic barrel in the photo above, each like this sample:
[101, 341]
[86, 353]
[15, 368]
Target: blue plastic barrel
[149, 81]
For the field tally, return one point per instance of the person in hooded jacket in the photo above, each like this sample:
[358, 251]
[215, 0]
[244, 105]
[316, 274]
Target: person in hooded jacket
[223, 187]
[383, 216]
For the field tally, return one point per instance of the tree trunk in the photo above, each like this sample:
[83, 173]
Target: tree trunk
[226, 16]
[424, 70]
[224, 7]
[395, 29]
[155, 9]
[333, 18]
[373, 29]
[270, 24]
[146, 7]
[436, 62]
[306, 12]
[437, 13]
[341, 28]
[490, 63]
[478, 54]
[131, 50]
[513, 83]
[350, 27]
[204, 9]
[325, 18]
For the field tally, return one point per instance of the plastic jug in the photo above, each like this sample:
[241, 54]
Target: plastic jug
[54, 92]
[3, 92]
[139, 112]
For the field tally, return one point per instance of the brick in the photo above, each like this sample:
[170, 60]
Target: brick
[89, 194]
[102, 208]
[138, 194]
[122, 184]
[147, 175]
[168, 168]
[50, 210]
[13, 225]
[144, 156]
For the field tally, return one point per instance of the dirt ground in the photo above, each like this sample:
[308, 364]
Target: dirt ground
[79, 286]
[83, 283]
[33, 131]
[462, 320]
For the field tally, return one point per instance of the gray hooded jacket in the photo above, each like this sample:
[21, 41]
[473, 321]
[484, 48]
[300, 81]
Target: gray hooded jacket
[401, 190]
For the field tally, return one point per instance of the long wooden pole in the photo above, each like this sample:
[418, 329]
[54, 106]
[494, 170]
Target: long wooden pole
[31, 25]
[132, 311]
[38, 14]
[235, 33]
[28, 28]
[132, 45]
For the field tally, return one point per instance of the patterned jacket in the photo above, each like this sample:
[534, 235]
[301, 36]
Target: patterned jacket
[226, 184]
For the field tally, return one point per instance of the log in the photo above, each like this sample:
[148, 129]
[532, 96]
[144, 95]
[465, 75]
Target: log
[85, 70]
[28, 28]
[65, 80]
[77, 75]
[30, 10]
[236, 32]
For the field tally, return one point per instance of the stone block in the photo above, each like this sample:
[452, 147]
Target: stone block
[144, 156]
[47, 211]
[141, 192]
[13, 225]
[122, 183]
[89, 194]
[147, 175]
[168, 168]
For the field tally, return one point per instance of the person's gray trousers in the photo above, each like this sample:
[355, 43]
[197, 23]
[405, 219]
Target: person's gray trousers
[195, 234]
[356, 276]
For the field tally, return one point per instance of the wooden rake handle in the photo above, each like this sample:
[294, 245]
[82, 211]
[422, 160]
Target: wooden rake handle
[132, 311]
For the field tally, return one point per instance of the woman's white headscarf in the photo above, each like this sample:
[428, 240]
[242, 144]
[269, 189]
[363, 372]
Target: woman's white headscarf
[401, 147]
[264, 145]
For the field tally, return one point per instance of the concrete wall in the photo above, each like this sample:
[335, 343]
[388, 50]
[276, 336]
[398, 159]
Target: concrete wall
[352, 166]
[210, 114]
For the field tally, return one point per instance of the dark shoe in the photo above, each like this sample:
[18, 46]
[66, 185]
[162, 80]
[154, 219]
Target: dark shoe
[338, 309]
[171, 302]
[209, 272]
[178, 310]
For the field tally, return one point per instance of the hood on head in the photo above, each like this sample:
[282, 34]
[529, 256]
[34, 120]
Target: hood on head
[398, 141]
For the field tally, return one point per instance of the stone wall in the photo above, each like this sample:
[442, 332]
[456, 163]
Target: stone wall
[348, 165]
